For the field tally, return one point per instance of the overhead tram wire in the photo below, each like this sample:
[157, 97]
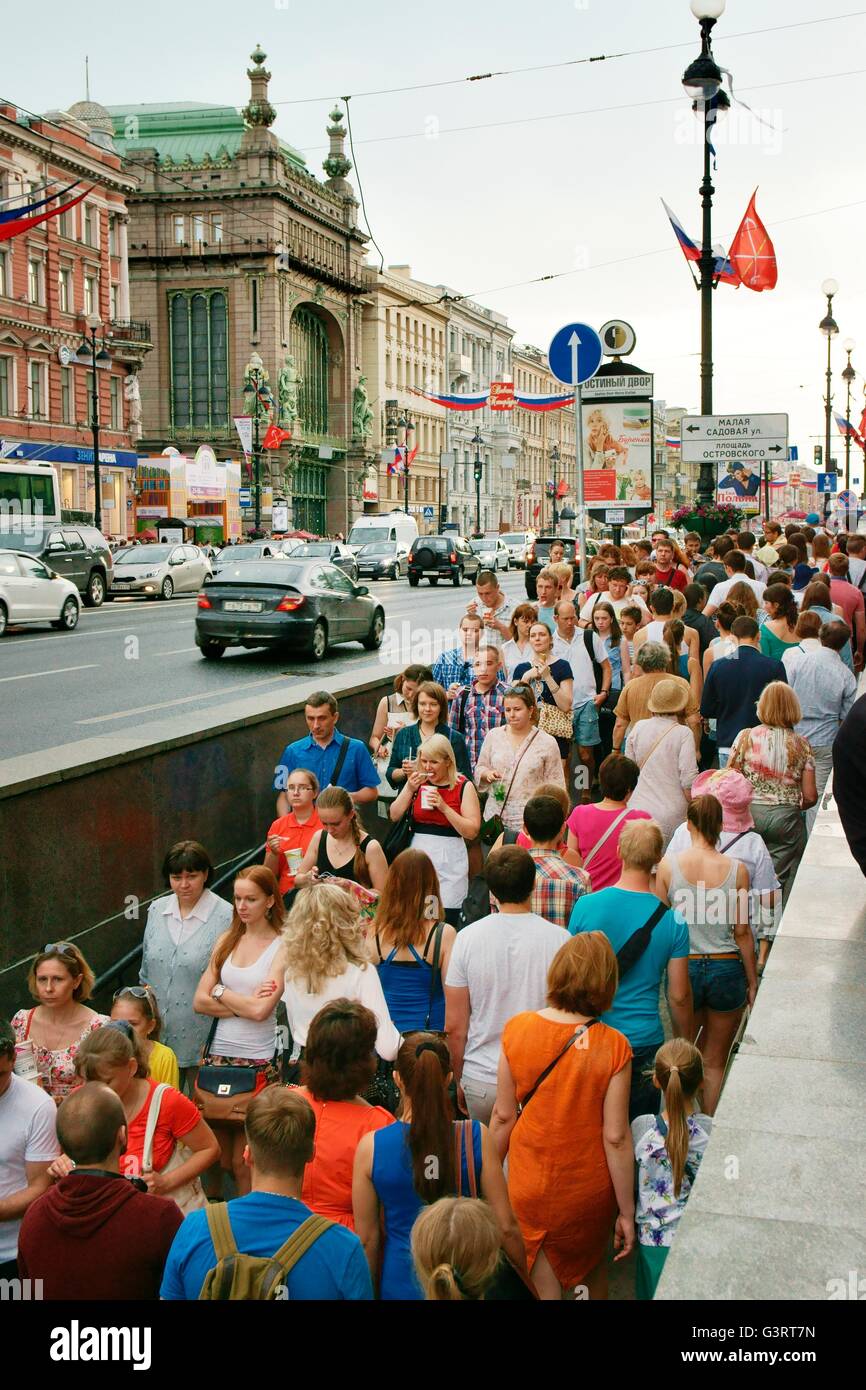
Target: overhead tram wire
[348, 102]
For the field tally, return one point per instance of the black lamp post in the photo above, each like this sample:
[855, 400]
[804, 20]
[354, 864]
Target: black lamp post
[554, 469]
[88, 350]
[257, 378]
[702, 81]
[479, 469]
[848, 376]
[405, 428]
[829, 327]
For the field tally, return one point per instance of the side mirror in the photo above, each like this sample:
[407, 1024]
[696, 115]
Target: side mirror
[361, 589]
[55, 546]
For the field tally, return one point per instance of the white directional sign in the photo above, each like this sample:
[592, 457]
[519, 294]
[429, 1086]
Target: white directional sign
[717, 438]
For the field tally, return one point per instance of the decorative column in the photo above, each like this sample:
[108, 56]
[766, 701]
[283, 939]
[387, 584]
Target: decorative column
[123, 309]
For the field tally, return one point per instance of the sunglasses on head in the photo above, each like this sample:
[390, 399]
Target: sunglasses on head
[135, 991]
[61, 948]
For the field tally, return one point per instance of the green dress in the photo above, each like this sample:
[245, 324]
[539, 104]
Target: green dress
[771, 645]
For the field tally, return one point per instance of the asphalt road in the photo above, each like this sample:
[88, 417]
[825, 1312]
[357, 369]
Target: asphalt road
[134, 661]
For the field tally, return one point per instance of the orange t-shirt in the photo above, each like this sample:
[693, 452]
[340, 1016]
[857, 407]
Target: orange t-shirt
[340, 1127]
[294, 836]
[177, 1117]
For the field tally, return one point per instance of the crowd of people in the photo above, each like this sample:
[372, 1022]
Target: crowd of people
[433, 1061]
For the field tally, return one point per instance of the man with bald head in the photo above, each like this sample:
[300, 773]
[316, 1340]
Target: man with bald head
[96, 1234]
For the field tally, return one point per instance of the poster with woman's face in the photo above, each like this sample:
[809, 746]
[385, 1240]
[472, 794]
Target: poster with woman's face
[617, 454]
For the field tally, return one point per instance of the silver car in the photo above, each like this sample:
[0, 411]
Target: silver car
[160, 571]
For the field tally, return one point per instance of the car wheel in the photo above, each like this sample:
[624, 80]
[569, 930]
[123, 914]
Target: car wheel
[4, 619]
[457, 578]
[373, 640]
[68, 620]
[167, 589]
[413, 581]
[212, 651]
[94, 594]
[434, 580]
[318, 644]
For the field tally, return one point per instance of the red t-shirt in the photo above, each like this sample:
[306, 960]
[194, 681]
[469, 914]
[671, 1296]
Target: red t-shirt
[340, 1127]
[849, 599]
[672, 579]
[177, 1117]
[294, 836]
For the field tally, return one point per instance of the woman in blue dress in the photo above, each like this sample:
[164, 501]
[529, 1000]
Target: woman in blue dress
[416, 1161]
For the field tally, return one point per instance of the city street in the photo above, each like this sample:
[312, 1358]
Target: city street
[134, 660]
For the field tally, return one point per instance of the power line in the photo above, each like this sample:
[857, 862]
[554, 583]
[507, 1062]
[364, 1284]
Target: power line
[348, 101]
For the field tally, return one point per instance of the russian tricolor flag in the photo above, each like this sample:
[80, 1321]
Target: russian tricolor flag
[472, 400]
[545, 401]
[722, 268]
[846, 429]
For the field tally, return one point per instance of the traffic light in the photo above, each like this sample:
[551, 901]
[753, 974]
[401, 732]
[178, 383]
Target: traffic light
[479, 473]
[819, 456]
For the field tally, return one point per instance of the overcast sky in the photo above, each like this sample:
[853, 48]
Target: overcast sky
[481, 209]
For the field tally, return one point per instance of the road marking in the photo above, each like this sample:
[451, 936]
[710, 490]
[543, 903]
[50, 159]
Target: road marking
[225, 692]
[32, 675]
[175, 651]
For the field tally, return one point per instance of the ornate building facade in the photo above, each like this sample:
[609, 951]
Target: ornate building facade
[250, 271]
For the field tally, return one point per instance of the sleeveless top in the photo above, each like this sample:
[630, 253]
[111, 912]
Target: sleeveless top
[243, 1037]
[324, 865]
[392, 1179]
[426, 822]
[711, 913]
[406, 986]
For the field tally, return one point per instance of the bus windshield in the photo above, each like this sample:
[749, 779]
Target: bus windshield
[29, 498]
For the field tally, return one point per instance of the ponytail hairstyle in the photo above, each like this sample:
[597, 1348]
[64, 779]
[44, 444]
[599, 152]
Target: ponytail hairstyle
[424, 1066]
[673, 635]
[338, 799]
[266, 881]
[679, 1071]
[743, 596]
[705, 814]
[455, 1246]
[727, 613]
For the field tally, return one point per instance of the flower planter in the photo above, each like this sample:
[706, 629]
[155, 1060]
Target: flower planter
[712, 523]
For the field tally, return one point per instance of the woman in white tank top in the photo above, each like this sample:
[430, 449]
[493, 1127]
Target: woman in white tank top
[239, 991]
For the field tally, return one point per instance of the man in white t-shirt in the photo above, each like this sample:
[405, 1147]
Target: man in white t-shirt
[735, 568]
[570, 644]
[617, 595]
[28, 1145]
[498, 968]
[493, 607]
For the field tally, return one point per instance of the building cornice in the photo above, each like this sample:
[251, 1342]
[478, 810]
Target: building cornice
[55, 152]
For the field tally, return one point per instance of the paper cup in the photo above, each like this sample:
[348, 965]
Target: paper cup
[427, 794]
[294, 859]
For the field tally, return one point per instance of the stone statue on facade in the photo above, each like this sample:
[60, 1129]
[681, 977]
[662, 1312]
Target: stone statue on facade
[132, 395]
[362, 414]
[288, 387]
[257, 401]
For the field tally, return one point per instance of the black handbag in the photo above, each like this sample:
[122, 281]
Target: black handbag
[399, 835]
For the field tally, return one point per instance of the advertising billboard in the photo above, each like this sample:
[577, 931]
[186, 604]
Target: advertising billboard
[739, 485]
[618, 454]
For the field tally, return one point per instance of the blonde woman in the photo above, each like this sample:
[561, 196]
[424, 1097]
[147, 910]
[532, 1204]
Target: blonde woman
[455, 1247]
[600, 441]
[445, 814]
[565, 579]
[326, 958]
[339, 849]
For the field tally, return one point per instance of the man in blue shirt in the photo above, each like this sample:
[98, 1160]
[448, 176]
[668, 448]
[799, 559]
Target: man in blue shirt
[280, 1130]
[619, 912]
[734, 685]
[321, 753]
[454, 668]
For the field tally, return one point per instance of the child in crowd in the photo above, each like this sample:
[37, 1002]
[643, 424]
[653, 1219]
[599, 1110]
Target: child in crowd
[629, 621]
[668, 1149]
[136, 1004]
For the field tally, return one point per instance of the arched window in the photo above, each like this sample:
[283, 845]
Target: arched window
[309, 346]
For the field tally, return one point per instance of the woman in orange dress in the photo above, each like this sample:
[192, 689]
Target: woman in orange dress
[339, 1063]
[570, 1163]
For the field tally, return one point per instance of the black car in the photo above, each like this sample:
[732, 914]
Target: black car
[442, 557]
[307, 604]
[333, 551]
[78, 553]
[381, 560]
[538, 555]
[247, 550]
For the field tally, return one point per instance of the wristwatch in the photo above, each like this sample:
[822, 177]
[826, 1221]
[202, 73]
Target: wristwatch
[218, 991]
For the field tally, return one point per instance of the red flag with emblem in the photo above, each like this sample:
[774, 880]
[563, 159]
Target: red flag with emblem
[274, 437]
[752, 254]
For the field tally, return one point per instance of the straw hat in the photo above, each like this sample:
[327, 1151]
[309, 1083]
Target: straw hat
[735, 793]
[668, 697]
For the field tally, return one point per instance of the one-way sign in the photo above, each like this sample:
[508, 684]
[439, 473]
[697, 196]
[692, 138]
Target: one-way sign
[717, 438]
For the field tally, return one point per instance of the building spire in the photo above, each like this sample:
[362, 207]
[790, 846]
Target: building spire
[258, 110]
[337, 166]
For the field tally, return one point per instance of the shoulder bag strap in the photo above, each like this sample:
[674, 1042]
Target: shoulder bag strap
[30, 1014]
[458, 1157]
[617, 820]
[589, 647]
[655, 746]
[150, 1127]
[300, 1241]
[220, 1230]
[523, 750]
[631, 951]
[549, 1068]
[341, 758]
[463, 1142]
[734, 841]
[208, 1043]
[434, 970]
[461, 711]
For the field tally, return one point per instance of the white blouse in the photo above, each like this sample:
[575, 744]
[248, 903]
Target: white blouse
[356, 982]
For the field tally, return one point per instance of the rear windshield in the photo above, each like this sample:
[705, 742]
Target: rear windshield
[260, 572]
[543, 548]
[432, 543]
[514, 538]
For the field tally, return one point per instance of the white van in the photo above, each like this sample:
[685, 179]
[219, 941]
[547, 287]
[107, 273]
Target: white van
[393, 526]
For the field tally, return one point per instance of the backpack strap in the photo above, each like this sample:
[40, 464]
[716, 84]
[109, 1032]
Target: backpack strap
[434, 970]
[589, 647]
[300, 1241]
[341, 758]
[461, 710]
[463, 1140]
[631, 950]
[220, 1230]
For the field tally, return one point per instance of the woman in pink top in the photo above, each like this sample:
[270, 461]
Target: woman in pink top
[590, 823]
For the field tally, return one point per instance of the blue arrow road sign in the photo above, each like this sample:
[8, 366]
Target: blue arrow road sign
[827, 482]
[575, 354]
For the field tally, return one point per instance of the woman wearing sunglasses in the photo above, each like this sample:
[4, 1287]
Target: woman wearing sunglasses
[60, 980]
[137, 1006]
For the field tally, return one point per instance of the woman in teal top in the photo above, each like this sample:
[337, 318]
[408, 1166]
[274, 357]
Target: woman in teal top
[779, 631]
[431, 708]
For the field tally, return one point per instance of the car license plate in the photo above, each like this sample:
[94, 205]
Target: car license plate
[120, 583]
[242, 606]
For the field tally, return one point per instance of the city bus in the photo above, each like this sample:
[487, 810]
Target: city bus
[30, 497]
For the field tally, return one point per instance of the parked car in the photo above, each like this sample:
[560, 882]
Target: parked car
[442, 557]
[492, 552]
[381, 560]
[516, 542]
[247, 550]
[160, 571]
[537, 555]
[308, 604]
[335, 552]
[77, 553]
[32, 593]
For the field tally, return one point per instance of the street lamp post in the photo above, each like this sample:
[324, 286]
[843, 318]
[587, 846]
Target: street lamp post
[829, 327]
[88, 349]
[554, 466]
[479, 468]
[848, 376]
[702, 81]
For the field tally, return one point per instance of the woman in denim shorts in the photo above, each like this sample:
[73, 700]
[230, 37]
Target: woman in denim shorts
[711, 890]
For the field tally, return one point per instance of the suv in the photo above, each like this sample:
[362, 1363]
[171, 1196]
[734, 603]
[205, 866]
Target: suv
[442, 557]
[537, 556]
[76, 552]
